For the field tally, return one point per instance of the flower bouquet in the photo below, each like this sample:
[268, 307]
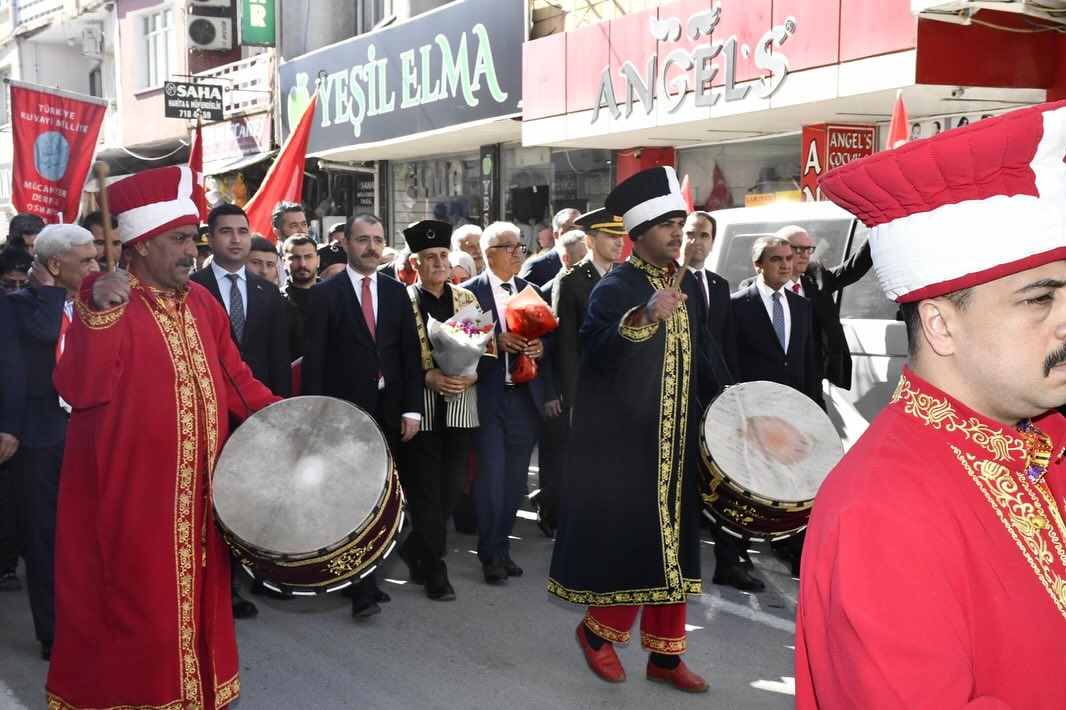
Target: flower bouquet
[529, 316]
[459, 342]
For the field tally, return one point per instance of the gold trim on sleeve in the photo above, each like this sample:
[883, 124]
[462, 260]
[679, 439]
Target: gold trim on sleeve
[99, 320]
[636, 334]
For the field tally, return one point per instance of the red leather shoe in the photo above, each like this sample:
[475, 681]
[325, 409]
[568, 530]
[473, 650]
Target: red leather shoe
[681, 678]
[604, 662]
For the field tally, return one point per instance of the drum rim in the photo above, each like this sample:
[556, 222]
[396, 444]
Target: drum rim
[715, 470]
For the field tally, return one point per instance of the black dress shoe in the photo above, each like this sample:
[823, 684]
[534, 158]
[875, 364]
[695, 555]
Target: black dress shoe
[438, 588]
[381, 597]
[509, 565]
[737, 576]
[261, 590]
[365, 608]
[242, 608]
[794, 567]
[495, 572]
[414, 567]
[46, 650]
[745, 560]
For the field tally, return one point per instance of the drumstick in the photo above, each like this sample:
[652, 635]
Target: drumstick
[679, 276]
[101, 170]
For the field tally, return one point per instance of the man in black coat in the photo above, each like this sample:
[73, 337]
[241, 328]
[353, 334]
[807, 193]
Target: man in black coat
[12, 405]
[65, 254]
[361, 345]
[258, 316]
[541, 269]
[819, 284]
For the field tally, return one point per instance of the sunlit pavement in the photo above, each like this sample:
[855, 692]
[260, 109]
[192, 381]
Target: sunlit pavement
[508, 646]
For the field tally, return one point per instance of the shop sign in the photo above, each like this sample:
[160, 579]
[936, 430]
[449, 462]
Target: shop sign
[490, 183]
[190, 101]
[830, 145]
[459, 64]
[238, 137]
[761, 199]
[5, 183]
[257, 23]
[698, 67]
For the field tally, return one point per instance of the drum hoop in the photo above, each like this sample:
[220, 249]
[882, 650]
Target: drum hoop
[716, 471]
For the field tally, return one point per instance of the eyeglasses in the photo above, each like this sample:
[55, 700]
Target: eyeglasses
[10, 285]
[804, 250]
[511, 248]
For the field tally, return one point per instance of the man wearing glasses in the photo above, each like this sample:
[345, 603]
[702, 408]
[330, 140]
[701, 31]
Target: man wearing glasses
[509, 412]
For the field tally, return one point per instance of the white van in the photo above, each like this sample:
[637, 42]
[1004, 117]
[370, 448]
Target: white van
[878, 340]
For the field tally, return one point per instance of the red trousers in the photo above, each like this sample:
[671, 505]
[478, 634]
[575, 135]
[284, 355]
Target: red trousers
[662, 626]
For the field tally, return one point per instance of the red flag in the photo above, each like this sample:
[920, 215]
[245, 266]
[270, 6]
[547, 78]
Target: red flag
[897, 127]
[720, 198]
[285, 179]
[196, 165]
[686, 192]
[54, 137]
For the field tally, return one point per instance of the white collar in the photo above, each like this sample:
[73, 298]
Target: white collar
[764, 290]
[221, 273]
[357, 278]
[495, 281]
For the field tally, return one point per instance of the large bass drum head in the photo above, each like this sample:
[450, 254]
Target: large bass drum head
[300, 476]
[771, 441]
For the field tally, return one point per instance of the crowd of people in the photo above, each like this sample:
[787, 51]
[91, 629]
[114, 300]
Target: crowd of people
[121, 383]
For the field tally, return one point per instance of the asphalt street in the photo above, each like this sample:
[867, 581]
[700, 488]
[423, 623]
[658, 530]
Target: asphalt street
[508, 646]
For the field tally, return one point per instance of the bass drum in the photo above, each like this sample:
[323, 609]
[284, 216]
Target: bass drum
[307, 496]
[765, 448]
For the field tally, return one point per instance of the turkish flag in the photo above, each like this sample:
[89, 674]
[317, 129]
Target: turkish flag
[196, 165]
[720, 197]
[686, 192]
[54, 138]
[285, 179]
[897, 127]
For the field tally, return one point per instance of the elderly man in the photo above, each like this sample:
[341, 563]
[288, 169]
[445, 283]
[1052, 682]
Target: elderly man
[819, 284]
[468, 238]
[432, 465]
[541, 269]
[65, 256]
[934, 569]
[300, 255]
[94, 222]
[509, 412]
[143, 616]
[628, 540]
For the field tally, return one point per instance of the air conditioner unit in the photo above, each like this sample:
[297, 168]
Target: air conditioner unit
[210, 33]
[210, 3]
[92, 42]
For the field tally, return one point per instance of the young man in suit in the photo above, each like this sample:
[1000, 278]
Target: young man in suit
[510, 413]
[361, 345]
[259, 321]
[774, 325]
[541, 269]
[65, 255]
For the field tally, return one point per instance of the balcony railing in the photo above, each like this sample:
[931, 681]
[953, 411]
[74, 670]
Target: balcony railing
[248, 85]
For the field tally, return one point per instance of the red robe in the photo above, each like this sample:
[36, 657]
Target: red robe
[143, 611]
[934, 572]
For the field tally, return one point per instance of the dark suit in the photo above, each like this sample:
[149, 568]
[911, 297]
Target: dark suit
[719, 319]
[820, 284]
[12, 406]
[35, 467]
[541, 269]
[759, 353]
[510, 420]
[265, 346]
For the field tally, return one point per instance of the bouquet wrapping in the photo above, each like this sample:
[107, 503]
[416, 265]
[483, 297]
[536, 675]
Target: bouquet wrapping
[459, 342]
[529, 316]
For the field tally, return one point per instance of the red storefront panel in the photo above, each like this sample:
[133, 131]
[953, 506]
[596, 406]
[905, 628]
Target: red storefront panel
[588, 51]
[868, 29]
[544, 78]
[816, 42]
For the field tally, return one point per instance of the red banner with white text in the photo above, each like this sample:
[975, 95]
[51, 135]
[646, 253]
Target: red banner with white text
[54, 136]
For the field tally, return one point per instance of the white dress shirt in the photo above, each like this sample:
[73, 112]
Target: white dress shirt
[791, 286]
[500, 297]
[767, 300]
[357, 284]
[704, 284]
[224, 285]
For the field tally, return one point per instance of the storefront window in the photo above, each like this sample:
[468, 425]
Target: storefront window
[722, 176]
[445, 188]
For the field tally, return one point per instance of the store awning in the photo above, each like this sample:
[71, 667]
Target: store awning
[217, 167]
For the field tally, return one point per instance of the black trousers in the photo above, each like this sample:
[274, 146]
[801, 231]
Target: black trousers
[432, 469]
[366, 589]
[726, 548]
[36, 487]
[9, 558]
[551, 457]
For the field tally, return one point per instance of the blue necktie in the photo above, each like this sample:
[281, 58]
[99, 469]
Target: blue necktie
[779, 320]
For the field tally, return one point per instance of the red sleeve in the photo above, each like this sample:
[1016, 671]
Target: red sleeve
[245, 395]
[91, 366]
[879, 625]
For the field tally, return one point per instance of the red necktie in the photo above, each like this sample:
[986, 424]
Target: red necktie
[368, 309]
[63, 325]
[796, 288]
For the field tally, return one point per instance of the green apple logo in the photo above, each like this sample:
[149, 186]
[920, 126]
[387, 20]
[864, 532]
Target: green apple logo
[486, 165]
[299, 99]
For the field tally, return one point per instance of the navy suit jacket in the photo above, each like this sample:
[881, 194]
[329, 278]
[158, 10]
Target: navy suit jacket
[541, 269]
[38, 316]
[342, 360]
[719, 320]
[759, 354]
[12, 372]
[490, 372]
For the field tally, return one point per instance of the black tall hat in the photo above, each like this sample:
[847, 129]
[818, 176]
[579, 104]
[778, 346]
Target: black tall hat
[647, 198]
[427, 234]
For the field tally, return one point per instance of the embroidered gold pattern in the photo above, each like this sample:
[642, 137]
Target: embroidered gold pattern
[657, 644]
[656, 595]
[606, 632]
[99, 320]
[1019, 502]
[57, 703]
[228, 691]
[352, 560]
[637, 334]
